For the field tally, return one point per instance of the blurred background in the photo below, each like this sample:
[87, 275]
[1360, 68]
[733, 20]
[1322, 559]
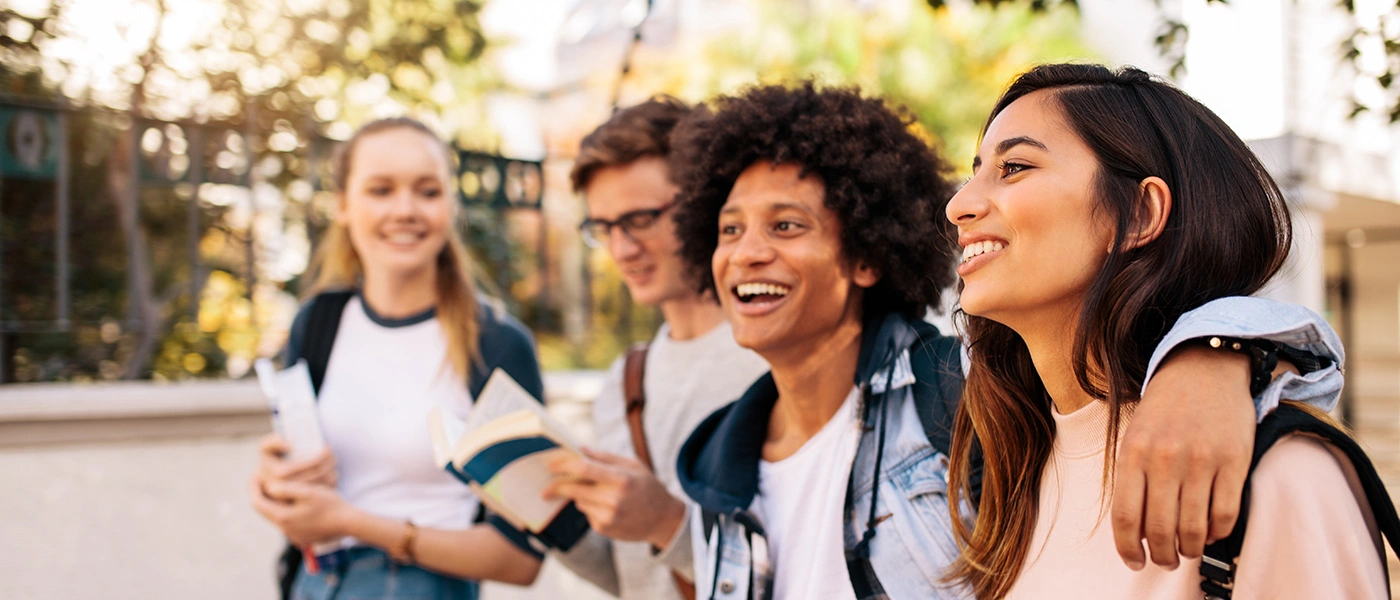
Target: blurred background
[163, 181]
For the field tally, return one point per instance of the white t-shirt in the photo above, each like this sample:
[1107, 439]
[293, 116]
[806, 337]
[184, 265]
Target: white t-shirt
[800, 503]
[382, 378]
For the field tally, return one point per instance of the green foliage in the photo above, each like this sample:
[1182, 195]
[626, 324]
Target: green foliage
[275, 76]
[946, 65]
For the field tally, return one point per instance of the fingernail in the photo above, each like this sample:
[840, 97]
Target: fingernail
[1135, 564]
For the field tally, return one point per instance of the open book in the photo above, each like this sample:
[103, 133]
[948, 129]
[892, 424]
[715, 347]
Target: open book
[503, 452]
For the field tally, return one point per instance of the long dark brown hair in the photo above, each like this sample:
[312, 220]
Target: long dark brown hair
[1227, 234]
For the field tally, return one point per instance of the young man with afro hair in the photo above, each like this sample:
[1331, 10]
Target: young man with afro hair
[817, 218]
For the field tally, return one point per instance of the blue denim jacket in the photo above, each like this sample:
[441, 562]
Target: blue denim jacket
[911, 548]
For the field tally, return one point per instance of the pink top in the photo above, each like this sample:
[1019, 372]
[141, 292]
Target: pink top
[1311, 533]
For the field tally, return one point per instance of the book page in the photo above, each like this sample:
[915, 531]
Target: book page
[444, 431]
[294, 417]
[293, 401]
[501, 397]
[521, 423]
[517, 486]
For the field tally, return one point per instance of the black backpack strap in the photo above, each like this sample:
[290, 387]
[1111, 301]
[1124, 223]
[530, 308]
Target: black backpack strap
[937, 365]
[1218, 564]
[312, 341]
[938, 374]
[322, 325]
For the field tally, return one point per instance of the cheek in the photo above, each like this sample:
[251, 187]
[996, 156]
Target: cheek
[1065, 254]
[717, 264]
[359, 220]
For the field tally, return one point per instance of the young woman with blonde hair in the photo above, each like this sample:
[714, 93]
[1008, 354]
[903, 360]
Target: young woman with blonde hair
[394, 328]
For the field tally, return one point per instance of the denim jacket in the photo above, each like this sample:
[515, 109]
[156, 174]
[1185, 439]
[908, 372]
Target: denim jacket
[905, 553]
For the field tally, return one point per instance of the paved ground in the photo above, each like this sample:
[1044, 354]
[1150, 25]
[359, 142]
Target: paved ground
[168, 519]
[150, 520]
[1378, 428]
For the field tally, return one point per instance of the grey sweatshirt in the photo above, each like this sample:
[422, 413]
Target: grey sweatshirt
[685, 381]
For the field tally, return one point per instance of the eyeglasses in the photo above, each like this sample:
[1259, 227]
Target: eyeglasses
[637, 224]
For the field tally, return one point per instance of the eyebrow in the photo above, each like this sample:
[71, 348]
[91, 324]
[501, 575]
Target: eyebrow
[728, 209]
[1007, 144]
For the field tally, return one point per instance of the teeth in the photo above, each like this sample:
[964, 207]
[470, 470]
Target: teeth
[757, 289]
[980, 248]
[403, 238]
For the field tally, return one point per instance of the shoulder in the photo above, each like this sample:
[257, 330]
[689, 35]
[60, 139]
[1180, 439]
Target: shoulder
[1310, 531]
[500, 331]
[504, 343]
[1301, 464]
[609, 410]
[321, 306]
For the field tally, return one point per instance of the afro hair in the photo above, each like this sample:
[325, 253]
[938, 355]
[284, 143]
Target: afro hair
[887, 186]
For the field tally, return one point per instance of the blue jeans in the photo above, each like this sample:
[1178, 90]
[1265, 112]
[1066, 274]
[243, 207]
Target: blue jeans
[369, 574]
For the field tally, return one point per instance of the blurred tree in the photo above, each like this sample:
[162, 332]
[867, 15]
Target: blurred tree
[273, 79]
[947, 66]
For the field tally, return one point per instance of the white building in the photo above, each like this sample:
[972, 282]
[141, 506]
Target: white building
[1273, 69]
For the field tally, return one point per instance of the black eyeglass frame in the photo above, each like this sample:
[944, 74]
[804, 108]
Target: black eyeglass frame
[627, 222]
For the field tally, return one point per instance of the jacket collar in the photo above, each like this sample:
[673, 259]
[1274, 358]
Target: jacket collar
[718, 464]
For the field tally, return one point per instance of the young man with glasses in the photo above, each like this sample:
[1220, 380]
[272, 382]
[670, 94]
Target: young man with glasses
[640, 546]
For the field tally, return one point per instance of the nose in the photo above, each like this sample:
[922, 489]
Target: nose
[968, 205]
[752, 248]
[405, 205]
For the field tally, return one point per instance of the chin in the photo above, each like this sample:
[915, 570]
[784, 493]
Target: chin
[405, 266]
[973, 302]
[755, 339]
[645, 295]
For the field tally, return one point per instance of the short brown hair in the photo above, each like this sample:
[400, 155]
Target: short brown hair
[634, 132]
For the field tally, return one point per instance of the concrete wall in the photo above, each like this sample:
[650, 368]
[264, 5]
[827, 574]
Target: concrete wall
[138, 491]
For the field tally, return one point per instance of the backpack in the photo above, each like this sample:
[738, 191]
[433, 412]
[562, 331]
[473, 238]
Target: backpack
[1218, 563]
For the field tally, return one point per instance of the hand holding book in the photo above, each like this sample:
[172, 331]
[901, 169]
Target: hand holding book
[621, 497]
[503, 451]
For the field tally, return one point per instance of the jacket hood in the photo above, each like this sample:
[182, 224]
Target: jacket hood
[718, 464]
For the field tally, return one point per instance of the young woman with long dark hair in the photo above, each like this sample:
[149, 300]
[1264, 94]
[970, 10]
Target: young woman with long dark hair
[407, 333]
[1105, 205]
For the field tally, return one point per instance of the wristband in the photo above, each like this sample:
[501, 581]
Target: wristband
[1263, 358]
[404, 553]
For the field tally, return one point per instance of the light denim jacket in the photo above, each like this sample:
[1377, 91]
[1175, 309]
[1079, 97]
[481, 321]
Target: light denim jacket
[913, 546]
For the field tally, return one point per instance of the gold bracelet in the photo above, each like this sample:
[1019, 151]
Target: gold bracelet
[404, 553]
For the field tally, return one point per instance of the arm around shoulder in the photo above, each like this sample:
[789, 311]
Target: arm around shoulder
[1283, 323]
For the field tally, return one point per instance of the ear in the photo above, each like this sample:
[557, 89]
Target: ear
[865, 276]
[1155, 206]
